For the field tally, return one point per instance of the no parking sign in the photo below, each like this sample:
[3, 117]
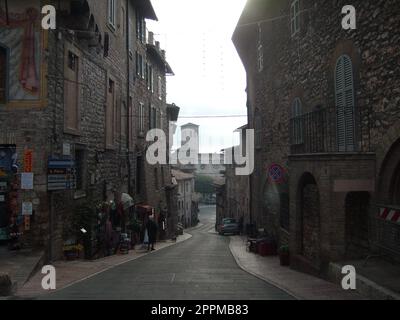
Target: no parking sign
[276, 173]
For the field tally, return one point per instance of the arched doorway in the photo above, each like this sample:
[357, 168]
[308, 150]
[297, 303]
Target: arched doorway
[389, 177]
[388, 203]
[310, 218]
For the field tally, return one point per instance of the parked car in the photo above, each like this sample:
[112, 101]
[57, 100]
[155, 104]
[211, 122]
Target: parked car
[228, 226]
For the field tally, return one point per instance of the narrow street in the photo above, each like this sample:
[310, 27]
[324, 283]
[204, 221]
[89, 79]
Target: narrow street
[200, 268]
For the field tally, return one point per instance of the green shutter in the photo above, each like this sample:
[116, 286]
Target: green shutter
[344, 92]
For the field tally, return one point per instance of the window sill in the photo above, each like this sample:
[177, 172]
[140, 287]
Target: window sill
[80, 194]
[71, 131]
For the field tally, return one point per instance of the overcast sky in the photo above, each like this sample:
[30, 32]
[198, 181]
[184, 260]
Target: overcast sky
[209, 77]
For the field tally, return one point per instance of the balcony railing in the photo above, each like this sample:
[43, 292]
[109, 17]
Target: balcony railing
[316, 132]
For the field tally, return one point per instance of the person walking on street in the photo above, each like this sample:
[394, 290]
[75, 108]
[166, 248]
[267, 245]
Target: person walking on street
[152, 233]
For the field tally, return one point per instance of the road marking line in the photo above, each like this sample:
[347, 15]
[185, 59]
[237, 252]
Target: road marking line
[173, 277]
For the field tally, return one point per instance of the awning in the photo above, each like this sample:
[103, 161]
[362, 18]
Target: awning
[127, 201]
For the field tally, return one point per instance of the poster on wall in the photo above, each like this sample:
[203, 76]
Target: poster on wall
[8, 160]
[27, 208]
[23, 39]
[27, 181]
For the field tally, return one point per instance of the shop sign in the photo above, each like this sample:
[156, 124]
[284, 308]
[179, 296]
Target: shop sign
[61, 175]
[27, 209]
[27, 181]
[28, 156]
[27, 223]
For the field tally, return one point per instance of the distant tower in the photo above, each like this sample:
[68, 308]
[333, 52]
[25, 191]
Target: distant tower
[189, 130]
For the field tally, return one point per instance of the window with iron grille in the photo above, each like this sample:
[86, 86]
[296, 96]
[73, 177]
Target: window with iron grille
[295, 17]
[345, 105]
[140, 28]
[297, 129]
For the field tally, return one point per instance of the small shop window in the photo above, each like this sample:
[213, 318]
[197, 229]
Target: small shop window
[3, 75]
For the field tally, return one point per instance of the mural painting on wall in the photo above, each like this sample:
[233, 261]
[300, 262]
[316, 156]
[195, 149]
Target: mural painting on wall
[20, 34]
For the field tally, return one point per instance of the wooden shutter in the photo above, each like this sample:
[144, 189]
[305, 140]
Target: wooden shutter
[71, 91]
[344, 92]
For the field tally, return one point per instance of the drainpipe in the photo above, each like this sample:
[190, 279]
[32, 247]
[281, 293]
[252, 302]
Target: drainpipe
[7, 15]
[128, 119]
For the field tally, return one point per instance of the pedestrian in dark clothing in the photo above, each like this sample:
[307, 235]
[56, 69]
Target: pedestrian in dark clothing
[152, 232]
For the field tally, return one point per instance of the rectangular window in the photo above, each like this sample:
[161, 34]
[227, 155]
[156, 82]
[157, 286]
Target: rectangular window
[137, 63]
[143, 67]
[110, 113]
[3, 75]
[160, 89]
[130, 40]
[131, 124]
[123, 26]
[153, 117]
[140, 28]
[295, 17]
[151, 85]
[111, 12]
[141, 118]
[71, 92]
[147, 77]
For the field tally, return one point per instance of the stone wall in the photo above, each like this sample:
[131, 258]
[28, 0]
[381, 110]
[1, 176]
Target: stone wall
[302, 66]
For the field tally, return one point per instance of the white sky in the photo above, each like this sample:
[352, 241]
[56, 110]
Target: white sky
[209, 76]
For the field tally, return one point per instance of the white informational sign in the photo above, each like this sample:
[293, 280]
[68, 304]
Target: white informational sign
[66, 149]
[27, 208]
[27, 181]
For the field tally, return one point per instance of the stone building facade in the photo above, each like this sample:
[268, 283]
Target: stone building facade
[324, 104]
[236, 189]
[187, 198]
[78, 94]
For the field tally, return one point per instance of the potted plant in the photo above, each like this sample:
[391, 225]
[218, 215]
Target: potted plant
[284, 255]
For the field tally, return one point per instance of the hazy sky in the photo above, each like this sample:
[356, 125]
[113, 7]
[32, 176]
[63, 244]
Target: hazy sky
[209, 77]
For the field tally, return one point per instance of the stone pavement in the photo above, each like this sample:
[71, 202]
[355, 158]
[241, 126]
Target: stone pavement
[19, 265]
[300, 285]
[71, 272]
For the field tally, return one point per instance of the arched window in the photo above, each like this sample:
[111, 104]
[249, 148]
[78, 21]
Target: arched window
[3, 75]
[344, 93]
[297, 136]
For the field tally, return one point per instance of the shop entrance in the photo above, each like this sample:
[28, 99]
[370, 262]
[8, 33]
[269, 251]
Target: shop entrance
[7, 203]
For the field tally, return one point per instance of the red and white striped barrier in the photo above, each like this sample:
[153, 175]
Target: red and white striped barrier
[391, 215]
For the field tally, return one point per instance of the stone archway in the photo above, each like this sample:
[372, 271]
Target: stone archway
[389, 177]
[310, 218]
